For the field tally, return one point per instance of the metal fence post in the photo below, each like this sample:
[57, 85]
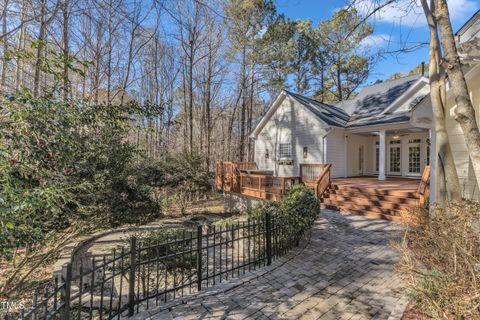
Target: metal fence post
[199, 258]
[268, 242]
[131, 278]
[65, 295]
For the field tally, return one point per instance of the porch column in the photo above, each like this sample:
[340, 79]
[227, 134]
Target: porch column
[381, 158]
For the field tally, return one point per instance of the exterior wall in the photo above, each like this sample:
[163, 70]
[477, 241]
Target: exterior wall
[291, 123]
[335, 152]
[354, 142]
[457, 141]
[369, 146]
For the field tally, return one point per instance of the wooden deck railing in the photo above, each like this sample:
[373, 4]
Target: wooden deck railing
[227, 174]
[265, 186]
[423, 190]
[236, 177]
[323, 182]
[310, 172]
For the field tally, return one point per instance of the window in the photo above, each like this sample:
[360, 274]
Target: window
[305, 152]
[414, 159]
[395, 159]
[267, 155]
[377, 159]
[285, 151]
[414, 140]
[360, 159]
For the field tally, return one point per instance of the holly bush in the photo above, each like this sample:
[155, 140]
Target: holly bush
[65, 164]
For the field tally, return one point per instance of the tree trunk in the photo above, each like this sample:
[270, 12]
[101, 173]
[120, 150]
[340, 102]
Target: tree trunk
[244, 104]
[5, 46]
[109, 53]
[21, 44]
[464, 111]
[41, 39]
[339, 81]
[98, 48]
[66, 50]
[250, 111]
[448, 181]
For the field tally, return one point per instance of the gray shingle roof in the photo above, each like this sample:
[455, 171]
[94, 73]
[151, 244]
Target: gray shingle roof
[365, 108]
[332, 115]
[374, 99]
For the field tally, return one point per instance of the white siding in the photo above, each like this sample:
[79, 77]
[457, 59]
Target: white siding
[354, 142]
[291, 123]
[336, 152]
[457, 141]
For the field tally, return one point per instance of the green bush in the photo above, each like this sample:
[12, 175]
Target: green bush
[300, 207]
[295, 213]
[66, 164]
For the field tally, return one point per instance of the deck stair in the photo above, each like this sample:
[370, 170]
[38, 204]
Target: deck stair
[368, 196]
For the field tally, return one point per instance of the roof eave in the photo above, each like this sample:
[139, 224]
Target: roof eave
[271, 110]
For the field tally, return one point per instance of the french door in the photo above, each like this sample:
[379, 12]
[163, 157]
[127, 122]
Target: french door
[395, 157]
[361, 159]
[414, 157]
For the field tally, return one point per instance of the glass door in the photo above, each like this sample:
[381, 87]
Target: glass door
[414, 158]
[361, 160]
[394, 157]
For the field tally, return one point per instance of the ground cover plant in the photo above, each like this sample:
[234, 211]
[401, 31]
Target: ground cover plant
[441, 257]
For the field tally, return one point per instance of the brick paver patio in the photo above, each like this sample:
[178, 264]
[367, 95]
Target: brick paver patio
[345, 271]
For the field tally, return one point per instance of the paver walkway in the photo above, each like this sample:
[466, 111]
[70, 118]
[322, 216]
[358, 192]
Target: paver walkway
[346, 271]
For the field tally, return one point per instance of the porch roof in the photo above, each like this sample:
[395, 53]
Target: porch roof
[369, 107]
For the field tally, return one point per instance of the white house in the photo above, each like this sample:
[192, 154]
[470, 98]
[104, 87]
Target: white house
[369, 135]
[468, 43]
[385, 133]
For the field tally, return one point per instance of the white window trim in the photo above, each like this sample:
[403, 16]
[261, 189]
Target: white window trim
[280, 157]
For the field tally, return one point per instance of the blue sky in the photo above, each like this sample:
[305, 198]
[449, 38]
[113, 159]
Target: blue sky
[395, 28]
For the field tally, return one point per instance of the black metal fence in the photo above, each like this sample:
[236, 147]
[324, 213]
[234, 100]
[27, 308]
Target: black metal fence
[150, 272]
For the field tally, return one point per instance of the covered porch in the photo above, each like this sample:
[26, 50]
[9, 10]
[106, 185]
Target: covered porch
[387, 151]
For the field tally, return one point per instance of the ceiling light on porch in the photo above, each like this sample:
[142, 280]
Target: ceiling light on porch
[396, 137]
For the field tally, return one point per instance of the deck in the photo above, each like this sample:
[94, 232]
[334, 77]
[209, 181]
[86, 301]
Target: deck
[245, 178]
[386, 199]
[371, 182]
[366, 195]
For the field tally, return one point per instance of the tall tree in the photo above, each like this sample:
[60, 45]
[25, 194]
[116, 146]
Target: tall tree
[447, 177]
[343, 34]
[245, 19]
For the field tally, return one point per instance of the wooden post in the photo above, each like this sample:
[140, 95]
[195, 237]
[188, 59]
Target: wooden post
[66, 292]
[131, 278]
[199, 258]
[260, 186]
[241, 184]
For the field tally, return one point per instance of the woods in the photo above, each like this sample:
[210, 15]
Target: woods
[202, 72]
[113, 113]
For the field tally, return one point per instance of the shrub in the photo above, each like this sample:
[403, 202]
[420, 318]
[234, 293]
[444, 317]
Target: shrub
[295, 213]
[441, 256]
[65, 164]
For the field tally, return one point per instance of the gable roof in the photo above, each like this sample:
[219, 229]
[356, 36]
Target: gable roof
[375, 99]
[331, 115]
[371, 106]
